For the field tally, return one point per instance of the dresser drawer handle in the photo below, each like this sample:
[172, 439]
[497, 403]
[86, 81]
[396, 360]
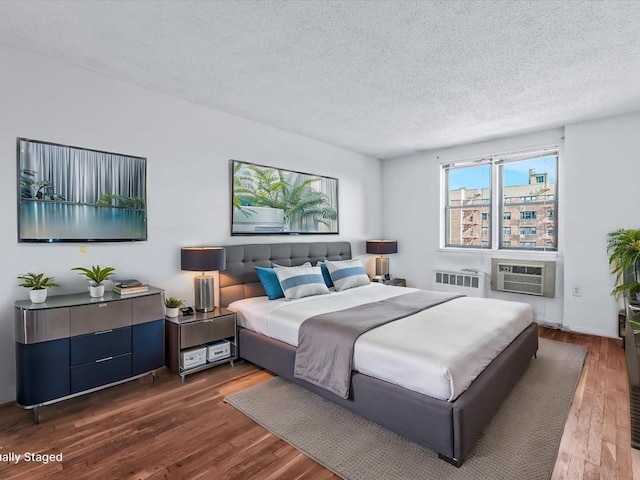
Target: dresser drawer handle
[207, 320]
[104, 359]
[102, 305]
[103, 331]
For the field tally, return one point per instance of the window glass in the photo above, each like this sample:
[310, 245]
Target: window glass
[468, 206]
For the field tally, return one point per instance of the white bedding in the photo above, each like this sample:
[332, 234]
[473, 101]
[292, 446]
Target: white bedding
[437, 352]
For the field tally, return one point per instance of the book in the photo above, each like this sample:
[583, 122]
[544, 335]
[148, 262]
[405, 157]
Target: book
[131, 282]
[130, 290]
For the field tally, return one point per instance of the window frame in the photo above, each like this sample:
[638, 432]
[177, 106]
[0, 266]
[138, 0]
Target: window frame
[497, 202]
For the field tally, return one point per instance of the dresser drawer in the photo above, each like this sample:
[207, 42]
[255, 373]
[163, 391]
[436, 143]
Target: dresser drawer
[146, 309]
[99, 316]
[99, 345]
[96, 374]
[206, 331]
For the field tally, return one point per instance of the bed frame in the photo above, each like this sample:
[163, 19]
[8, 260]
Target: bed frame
[449, 428]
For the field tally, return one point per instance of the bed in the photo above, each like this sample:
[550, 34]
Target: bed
[447, 426]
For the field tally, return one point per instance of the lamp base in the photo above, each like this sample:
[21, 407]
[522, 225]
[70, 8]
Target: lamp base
[382, 267]
[203, 286]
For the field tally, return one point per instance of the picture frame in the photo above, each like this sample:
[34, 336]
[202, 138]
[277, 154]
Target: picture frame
[268, 200]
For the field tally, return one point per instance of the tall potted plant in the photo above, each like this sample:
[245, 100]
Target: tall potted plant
[96, 276]
[38, 283]
[623, 248]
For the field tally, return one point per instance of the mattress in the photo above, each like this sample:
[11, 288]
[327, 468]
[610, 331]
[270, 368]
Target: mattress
[436, 352]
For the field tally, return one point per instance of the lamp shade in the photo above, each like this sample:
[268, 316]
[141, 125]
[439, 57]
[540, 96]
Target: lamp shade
[203, 259]
[382, 247]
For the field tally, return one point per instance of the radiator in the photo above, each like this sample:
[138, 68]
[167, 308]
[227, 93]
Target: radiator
[467, 282]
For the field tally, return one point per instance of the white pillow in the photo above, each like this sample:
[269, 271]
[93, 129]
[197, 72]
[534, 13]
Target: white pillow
[302, 281]
[347, 274]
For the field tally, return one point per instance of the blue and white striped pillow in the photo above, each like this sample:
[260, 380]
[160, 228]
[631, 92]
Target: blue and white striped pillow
[347, 274]
[302, 281]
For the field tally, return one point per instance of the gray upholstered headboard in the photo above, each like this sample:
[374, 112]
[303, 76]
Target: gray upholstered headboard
[240, 279]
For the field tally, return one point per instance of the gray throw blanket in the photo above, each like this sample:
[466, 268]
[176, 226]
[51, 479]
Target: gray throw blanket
[325, 342]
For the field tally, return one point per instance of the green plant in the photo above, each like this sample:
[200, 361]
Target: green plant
[120, 201]
[95, 273]
[623, 248]
[36, 281]
[172, 302]
[36, 189]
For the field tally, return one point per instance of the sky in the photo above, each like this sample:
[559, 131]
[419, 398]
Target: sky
[515, 173]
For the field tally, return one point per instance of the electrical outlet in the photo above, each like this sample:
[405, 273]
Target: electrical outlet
[576, 291]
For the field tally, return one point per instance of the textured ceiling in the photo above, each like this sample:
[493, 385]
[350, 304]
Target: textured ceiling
[385, 78]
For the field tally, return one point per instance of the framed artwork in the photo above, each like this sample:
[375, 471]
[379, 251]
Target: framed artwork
[273, 201]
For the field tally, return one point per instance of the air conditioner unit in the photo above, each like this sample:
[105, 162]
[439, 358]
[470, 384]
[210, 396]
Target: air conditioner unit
[529, 277]
[469, 283]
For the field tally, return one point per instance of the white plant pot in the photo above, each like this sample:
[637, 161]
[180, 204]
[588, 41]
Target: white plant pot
[97, 291]
[171, 312]
[38, 296]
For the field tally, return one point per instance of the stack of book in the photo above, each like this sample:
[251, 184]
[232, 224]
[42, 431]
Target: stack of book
[129, 287]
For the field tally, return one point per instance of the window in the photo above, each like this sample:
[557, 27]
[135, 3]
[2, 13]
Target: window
[468, 197]
[482, 197]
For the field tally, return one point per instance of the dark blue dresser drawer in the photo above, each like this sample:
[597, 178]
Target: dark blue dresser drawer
[99, 345]
[102, 372]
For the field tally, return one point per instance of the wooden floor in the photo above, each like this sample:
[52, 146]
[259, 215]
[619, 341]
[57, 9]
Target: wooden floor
[144, 430]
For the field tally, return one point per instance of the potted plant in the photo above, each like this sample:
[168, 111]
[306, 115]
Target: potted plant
[96, 276]
[172, 305]
[38, 284]
[623, 248]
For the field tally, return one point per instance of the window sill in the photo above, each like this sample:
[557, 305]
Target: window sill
[524, 254]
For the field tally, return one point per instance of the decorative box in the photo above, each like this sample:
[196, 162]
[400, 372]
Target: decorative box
[218, 350]
[193, 357]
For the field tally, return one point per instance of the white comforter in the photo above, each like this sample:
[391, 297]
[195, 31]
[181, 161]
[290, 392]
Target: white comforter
[437, 352]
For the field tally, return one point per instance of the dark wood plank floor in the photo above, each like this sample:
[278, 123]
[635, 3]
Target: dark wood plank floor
[144, 430]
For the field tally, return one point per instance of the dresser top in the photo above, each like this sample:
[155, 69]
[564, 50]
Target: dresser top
[76, 299]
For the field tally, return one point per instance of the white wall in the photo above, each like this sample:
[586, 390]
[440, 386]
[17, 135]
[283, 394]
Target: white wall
[188, 148]
[602, 184]
[598, 181]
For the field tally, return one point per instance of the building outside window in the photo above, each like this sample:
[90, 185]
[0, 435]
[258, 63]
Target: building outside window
[485, 198]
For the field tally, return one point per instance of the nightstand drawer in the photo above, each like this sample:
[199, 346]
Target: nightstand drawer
[207, 331]
[95, 346]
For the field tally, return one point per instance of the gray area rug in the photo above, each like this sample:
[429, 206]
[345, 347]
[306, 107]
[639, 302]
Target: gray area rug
[521, 441]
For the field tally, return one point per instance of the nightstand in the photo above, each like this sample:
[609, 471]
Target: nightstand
[396, 282]
[200, 341]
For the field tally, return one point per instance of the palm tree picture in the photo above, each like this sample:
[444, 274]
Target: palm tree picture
[271, 200]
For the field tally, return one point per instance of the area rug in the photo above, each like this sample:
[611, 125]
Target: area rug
[521, 441]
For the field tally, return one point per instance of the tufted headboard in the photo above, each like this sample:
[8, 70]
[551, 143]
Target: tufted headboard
[240, 279]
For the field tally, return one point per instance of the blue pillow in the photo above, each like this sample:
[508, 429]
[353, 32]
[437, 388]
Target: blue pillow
[270, 282]
[325, 274]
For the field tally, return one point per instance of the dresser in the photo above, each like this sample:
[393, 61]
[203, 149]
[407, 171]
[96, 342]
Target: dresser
[75, 344]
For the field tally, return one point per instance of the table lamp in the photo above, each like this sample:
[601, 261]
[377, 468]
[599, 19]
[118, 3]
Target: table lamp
[203, 259]
[382, 247]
